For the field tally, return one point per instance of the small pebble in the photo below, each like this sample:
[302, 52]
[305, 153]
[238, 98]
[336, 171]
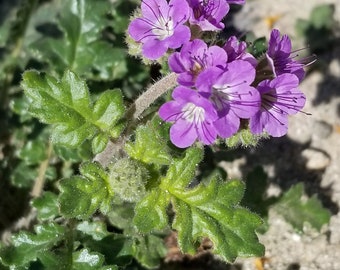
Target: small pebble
[315, 159]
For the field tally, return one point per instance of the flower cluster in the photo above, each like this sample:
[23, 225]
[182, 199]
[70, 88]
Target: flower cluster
[220, 87]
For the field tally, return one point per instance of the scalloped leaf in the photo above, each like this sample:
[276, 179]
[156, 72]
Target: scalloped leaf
[208, 210]
[82, 195]
[47, 206]
[67, 106]
[27, 247]
[149, 250]
[85, 260]
[81, 46]
[298, 210]
[212, 211]
[151, 211]
[150, 145]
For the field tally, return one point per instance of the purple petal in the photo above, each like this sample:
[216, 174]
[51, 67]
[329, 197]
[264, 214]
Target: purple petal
[181, 35]
[154, 49]
[175, 63]
[182, 133]
[180, 11]
[257, 122]
[238, 72]
[246, 103]
[186, 79]
[206, 133]
[140, 30]
[207, 78]
[153, 9]
[169, 111]
[290, 99]
[276, 128]
[221, 10]
[228, 125]
[218, 56]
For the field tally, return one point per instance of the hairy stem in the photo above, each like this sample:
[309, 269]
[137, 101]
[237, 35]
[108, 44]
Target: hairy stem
[148, 97]
[133, 115]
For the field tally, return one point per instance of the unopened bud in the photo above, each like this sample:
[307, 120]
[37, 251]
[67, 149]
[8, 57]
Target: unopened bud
[128, 178]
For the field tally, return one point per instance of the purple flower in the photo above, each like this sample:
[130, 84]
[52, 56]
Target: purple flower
[237, 50]
[207, 14]
[161, 26]
[231, 94]
[193, 116]
[279, 56]
[280, 97]
[194, 57]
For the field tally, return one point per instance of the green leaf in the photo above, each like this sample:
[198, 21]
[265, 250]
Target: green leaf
[96, 229]
[107, 110]
[23, 175]
[117, 249]
[150, 144]
[322, 16]
[212, 211]
[151, 211]
[26, 246]
[67, 106]
[182, 171]
[149, 250]
[258, 47]
[82, 195]
[56, 259]
[20, 106]
[81, 153]
[208, 210]
[121, 215]
[47, 206]
[33, 152]
[297, 209]
[82, 47]
[84, 260]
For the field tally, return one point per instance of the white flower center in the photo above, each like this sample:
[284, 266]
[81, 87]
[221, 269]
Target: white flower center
[163, 28]
[193, 113]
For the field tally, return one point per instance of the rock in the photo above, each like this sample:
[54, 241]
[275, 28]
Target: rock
[315, 159]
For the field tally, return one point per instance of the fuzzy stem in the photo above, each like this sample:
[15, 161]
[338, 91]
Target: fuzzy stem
[149, 96]
[133, 114]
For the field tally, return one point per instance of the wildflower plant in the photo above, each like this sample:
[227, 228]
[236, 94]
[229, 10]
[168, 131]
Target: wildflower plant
[115, 168]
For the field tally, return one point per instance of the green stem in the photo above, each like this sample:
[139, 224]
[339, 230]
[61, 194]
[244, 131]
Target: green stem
[70, 241]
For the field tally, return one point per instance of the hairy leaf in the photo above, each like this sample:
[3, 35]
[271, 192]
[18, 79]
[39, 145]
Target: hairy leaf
[149, 250]
[47, 206]
[67, 106]
[82, 195]
[207, 210]
[84, 260]
[27, 247]
[151, 211]
[81, 46]
[150, 145]
[297, 209]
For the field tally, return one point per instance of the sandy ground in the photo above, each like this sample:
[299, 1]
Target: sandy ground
[310, 153]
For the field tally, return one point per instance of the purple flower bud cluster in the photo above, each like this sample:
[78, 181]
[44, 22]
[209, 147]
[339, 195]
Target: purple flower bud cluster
[220, 87]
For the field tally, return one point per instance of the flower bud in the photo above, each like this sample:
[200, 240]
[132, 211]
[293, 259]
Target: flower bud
[128, 178]
[244, 138]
